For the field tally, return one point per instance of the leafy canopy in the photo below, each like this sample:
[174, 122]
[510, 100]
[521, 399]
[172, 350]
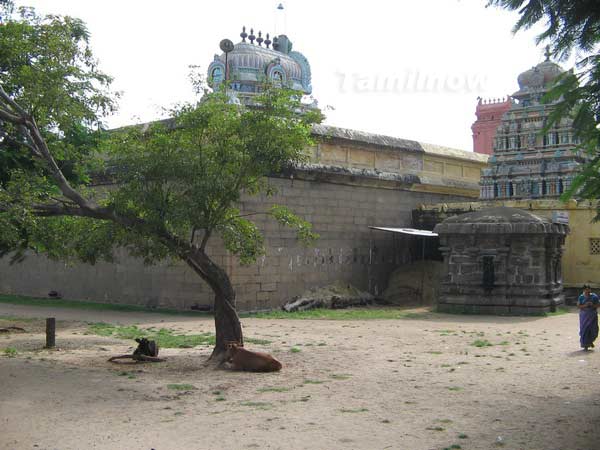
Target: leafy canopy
[72, 190]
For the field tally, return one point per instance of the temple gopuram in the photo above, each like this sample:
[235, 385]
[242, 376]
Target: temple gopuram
[248, 65]
[526, 164]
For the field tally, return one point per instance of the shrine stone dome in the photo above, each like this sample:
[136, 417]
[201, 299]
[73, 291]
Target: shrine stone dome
[500, 220]
[540, 76]
[252, 62]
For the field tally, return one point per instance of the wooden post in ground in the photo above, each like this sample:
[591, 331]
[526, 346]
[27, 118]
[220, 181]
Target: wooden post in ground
[50, 332]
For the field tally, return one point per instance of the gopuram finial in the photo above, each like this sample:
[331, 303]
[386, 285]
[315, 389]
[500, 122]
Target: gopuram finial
[243, 34]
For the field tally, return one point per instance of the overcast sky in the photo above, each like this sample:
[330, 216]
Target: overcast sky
[405, 68]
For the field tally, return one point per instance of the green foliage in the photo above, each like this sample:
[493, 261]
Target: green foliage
[47, 67]
[344, 314]
[173, 184]
[164, 337]
[481, 343]
[182, 387]
[10, 352]
[572, 26]
[185, 176]
[93, 306]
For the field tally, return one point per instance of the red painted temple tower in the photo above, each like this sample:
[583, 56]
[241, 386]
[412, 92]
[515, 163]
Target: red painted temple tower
[489, 116]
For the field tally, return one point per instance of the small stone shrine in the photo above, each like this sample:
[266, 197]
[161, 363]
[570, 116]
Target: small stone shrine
[501, 261]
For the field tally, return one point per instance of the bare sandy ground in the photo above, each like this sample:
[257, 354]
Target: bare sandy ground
[381, 384]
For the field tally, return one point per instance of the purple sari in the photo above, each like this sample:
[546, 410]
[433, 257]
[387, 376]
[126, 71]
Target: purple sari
[588, 326]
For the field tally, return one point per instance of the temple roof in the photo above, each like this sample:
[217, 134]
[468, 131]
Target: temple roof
[250, 64]
[538, 77]
[499, 220]
[328, 131]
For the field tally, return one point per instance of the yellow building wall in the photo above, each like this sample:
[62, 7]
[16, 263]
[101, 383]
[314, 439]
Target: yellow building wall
[440, 170]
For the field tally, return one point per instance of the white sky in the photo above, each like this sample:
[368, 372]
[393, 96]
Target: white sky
[463, 48]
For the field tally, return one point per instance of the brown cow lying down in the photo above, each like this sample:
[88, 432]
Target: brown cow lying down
[242, 359]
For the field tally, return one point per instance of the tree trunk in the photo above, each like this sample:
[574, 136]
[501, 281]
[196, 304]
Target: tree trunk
[227, 322]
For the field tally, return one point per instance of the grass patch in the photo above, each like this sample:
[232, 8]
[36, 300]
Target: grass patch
[343, 314]
[435, 428]
[10, 352]
[340, 376]
[274, 389]
[181, 387]
[164, 337]
[295, 350]
[314, 382]
[16, 319]
[77, 304]
[481, 343]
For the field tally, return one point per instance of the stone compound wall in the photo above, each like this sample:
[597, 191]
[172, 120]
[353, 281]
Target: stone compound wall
[352, 180]
[340, 206]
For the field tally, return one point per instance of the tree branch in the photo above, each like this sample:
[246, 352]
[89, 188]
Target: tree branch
[204, 239]
[13, 105]
[9, 117]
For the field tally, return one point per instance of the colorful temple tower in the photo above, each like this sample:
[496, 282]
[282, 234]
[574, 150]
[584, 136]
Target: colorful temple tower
[250, 64]
[527, 163]
[489, 115]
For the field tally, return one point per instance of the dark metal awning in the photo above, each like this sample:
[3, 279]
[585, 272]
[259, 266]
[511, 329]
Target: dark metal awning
[411, 231]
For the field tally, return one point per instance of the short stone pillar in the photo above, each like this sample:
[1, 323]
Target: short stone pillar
[501, 261]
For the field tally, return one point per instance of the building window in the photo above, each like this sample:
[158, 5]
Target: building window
[594, 246]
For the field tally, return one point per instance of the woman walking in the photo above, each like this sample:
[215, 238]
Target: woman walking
[588, 317]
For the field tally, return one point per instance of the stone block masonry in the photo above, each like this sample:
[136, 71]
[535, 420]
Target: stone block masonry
[347, 250]
[341, 202]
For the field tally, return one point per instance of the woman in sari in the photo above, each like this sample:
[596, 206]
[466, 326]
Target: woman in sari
[588, 317]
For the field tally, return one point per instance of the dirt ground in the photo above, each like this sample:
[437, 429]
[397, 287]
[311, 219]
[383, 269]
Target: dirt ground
[382, 384]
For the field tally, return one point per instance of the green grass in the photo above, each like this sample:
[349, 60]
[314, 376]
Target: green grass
[343, 314]
[10, 352]
[164, 337]
[274, 389]
[481, 343]
[77, 304]
[314, 381]
[340, 376]
[16, 319]
[181, 387]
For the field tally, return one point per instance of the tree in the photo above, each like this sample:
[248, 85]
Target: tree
[571, 26]
[176, 183]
